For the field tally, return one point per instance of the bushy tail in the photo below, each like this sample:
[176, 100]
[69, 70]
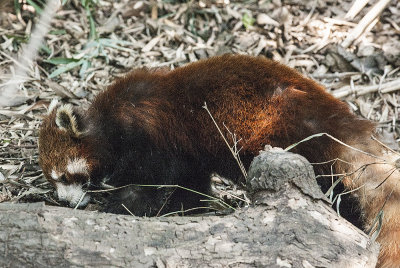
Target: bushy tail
[374, 176]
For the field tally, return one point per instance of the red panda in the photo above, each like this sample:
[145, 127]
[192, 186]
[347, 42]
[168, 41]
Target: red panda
[150, 128]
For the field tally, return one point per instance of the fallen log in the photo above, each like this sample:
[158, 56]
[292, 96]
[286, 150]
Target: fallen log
[290, 225]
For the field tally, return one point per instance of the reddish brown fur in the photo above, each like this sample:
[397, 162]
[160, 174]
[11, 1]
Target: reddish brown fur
[57, 146]
[158, 116]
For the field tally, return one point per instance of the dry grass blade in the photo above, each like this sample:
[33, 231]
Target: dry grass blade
[335, 139]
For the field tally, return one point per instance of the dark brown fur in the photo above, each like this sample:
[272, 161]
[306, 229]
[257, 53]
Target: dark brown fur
[150, 128]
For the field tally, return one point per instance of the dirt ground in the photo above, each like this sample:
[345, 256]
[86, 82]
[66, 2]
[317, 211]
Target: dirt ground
[307, 35]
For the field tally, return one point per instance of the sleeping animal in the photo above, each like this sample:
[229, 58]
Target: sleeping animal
[150, 128]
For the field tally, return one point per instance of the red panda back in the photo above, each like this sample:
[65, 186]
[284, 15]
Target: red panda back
[259, 100]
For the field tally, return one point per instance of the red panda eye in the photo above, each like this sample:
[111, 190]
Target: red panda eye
[63, 178]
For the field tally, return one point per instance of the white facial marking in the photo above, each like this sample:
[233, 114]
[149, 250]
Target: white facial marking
[77, 165]
[55, 175]
[72, 193]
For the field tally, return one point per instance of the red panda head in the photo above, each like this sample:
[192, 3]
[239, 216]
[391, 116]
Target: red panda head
[62, 154]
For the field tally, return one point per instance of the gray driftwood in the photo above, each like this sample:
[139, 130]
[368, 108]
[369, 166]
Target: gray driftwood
[291, 225]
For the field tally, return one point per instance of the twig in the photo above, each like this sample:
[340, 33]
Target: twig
[232, 195]
[321, 43]
[235, 153]
[334, 75]
[184, 211]
[362, 90]
[359, 171]
[165, 203]
[80, 200]
[127, 209]
[356, 8]
[372, 14]
[387, 177]
[333, 161]
[163, 186]
[310, 14]
[339, 22]
[393, 23]
[154, 10]
[347, 174]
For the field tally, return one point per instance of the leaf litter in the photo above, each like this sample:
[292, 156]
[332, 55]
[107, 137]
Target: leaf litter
[71, 67]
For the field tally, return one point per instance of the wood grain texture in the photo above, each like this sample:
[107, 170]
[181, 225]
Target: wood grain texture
[287, 228]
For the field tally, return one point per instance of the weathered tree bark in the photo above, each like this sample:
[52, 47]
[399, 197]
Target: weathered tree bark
[290, 226]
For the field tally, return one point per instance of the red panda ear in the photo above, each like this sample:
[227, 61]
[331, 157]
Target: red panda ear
[67, 119]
